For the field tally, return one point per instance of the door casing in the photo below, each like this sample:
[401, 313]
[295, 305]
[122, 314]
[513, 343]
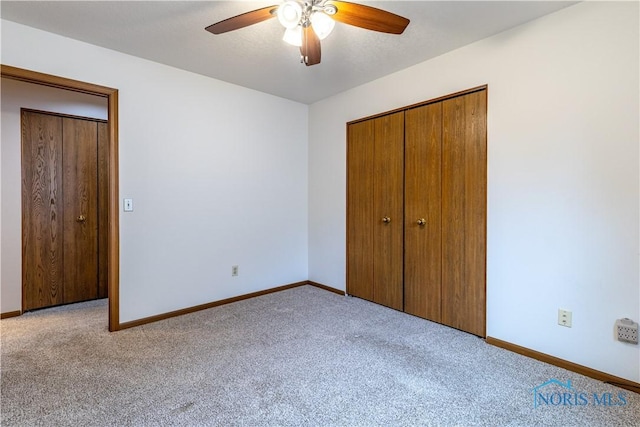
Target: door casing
[113, 242]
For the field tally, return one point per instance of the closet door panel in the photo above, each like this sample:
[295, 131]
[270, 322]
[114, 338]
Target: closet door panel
[464, 212]
[388, 185]
[360, 214]
[422, 259]
[42, 211]
[80, 182]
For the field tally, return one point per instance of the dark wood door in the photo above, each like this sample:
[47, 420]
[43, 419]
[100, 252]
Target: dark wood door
[80, 184]
[375, 154]
[42, 211]
[422, 230]
[464, 195]
[63, 228]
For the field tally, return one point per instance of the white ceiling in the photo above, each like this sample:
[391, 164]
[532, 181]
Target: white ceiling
[172, 33]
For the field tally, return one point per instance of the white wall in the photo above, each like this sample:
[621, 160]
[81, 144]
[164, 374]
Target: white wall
[563, 172]
[16, 95]
[216, 181]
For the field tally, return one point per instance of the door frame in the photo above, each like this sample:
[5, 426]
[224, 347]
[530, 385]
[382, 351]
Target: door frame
[113, 227]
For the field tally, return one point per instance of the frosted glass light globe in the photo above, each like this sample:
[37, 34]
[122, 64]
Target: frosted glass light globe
[289, 14]
[322, 24]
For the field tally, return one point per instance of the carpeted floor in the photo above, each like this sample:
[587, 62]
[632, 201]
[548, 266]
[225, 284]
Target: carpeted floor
[300, 357]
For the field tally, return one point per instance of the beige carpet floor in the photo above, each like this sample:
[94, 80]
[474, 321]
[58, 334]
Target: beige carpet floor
[300, 357]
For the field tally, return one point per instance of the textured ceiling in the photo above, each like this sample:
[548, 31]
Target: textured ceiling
[173, 33]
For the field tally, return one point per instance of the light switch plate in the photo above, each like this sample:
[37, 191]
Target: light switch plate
[128, 205]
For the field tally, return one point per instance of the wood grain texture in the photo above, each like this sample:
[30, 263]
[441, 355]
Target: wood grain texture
[42, 211]
[420, 104]
[423, 244]
[80, 183]
[103, 208]
[464, 212]
[360, 213]
[388, 201]
[369, 17]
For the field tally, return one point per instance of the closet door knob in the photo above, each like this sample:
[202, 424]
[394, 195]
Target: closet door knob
[422, 221]
[386, 220]
[81, 218]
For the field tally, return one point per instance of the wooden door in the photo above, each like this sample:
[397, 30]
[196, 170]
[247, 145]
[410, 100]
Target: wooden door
[64, 233]
[42, 211]
[360, 213]
[388, 207]
[422, 230]
[80, 184]
[375, 209]
[464, 194]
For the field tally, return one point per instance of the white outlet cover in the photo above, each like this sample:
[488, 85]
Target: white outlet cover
[564, 318]
[627, 330]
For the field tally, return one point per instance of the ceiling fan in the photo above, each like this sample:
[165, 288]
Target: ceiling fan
[308, 22]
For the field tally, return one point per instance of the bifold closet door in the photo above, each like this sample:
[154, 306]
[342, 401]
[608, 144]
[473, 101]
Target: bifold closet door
[464, 195]
[422, 230]
[42, 211]
[80, 195]
[360, 152]
[64, 209]
[375, 155]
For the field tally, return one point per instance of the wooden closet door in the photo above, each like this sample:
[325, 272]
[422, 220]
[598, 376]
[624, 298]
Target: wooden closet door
[388, 196]
[423, 248]
[375, 210]
[464, 194]
[64, 209]
[360, 214]
[42, 211]
[80, 183]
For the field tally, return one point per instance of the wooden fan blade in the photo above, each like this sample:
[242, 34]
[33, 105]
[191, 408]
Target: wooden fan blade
[368, 17]
[310, 48]
[244, 20]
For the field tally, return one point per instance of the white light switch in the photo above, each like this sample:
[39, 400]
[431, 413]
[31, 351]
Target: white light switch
[128, 205]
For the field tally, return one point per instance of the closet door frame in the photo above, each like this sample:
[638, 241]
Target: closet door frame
[481, 329]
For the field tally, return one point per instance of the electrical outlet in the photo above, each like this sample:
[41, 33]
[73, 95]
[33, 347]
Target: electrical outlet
[234, 270]
[627, 330]
[564, 318]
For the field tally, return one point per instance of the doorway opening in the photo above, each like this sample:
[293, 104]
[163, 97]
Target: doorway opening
[112, 215]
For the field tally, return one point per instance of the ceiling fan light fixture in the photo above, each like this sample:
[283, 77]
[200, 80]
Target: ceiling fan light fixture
[289, 14]
[293, 36]
[322, 24]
